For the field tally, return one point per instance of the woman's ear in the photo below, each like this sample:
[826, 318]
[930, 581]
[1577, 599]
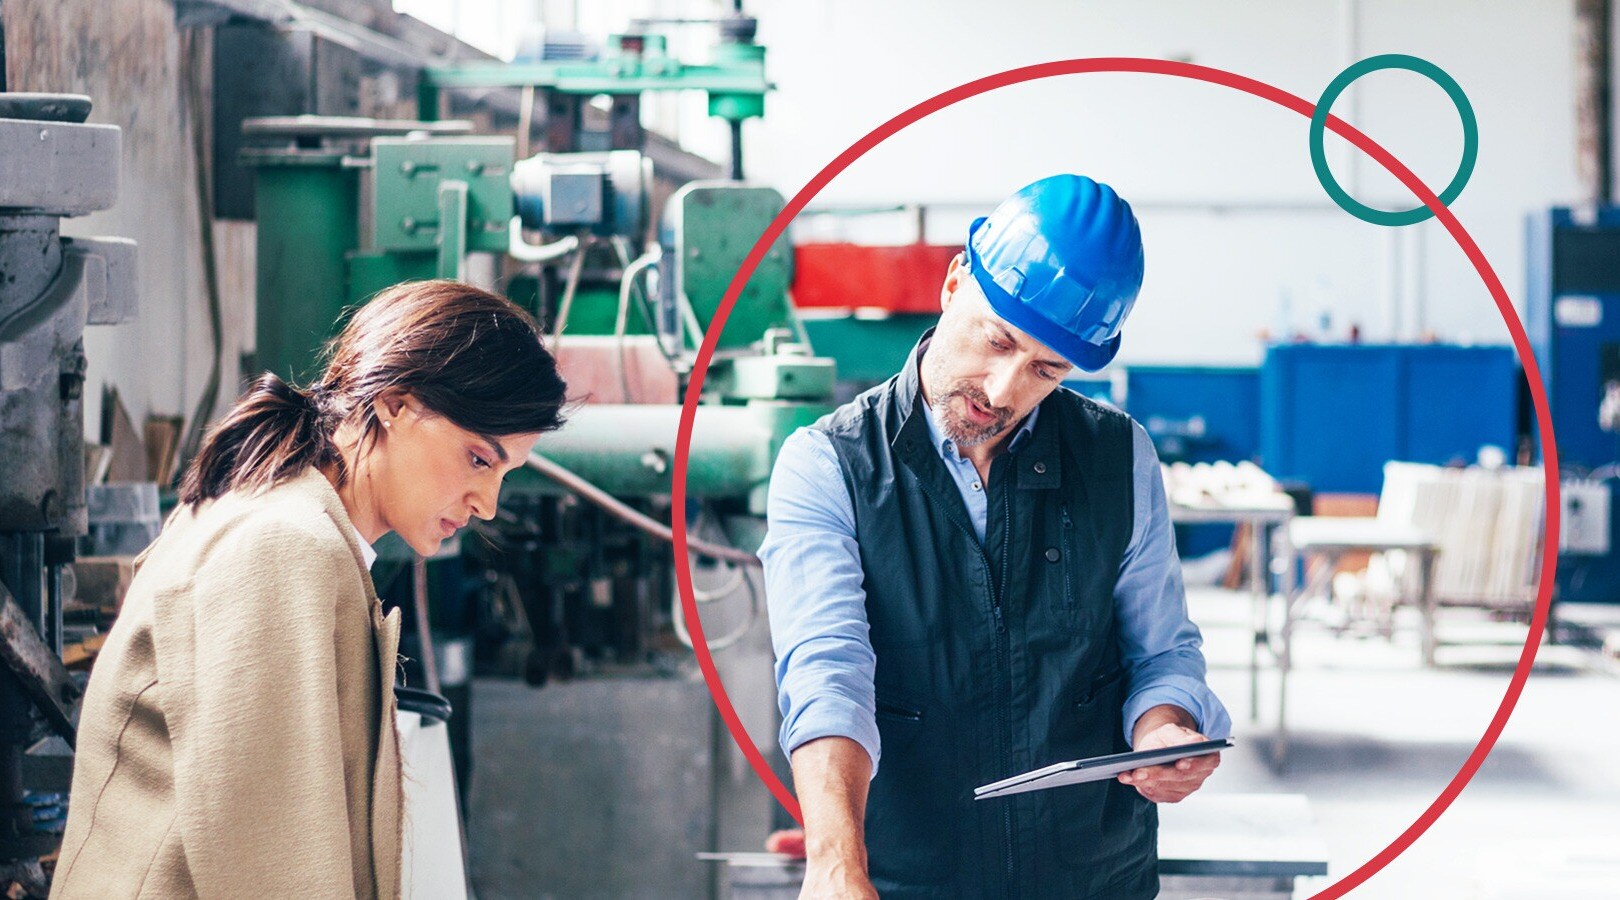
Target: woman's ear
[390, 405]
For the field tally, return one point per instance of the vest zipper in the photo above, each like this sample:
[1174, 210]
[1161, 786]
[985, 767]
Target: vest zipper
[1001, 637]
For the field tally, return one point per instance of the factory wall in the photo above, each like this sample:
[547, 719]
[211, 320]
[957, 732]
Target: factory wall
[129, 57]
[1241, 238]
[1240, 235]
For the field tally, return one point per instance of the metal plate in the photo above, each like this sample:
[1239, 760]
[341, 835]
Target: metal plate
[405, 195]
[713, 226]
[58, 168]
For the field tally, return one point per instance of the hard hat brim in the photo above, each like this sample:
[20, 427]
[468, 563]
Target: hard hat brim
[1082, 353]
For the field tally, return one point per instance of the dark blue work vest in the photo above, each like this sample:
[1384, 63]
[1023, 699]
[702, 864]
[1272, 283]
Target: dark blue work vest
[995, 659]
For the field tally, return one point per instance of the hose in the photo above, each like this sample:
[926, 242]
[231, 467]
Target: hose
[712, 594]
[523, 251]
[573, 482]
[627, 283]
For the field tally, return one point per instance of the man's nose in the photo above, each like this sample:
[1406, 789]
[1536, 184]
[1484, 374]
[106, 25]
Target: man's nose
[1001, 386]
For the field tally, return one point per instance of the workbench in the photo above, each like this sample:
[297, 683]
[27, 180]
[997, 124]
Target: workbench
[1233, 846]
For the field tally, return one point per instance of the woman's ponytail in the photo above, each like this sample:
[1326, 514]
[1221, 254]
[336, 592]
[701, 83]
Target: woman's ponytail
[274, 431]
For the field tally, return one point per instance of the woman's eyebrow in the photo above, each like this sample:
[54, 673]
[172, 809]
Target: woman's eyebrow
[494, 445]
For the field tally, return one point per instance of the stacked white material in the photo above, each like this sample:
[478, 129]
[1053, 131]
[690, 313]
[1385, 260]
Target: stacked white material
[1487, 522]
[1222, 485]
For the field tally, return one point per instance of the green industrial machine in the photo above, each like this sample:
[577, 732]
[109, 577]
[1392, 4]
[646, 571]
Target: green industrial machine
[348, 207]
[625, 273]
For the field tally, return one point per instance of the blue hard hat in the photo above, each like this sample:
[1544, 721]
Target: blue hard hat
[1062, 261]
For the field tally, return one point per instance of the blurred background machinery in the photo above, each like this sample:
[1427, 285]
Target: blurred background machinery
[625, 268]
[52, 165]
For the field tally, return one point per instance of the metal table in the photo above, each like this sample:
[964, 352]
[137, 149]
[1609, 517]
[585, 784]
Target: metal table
[1263, 520]
[1239, 846]
[1330, 538]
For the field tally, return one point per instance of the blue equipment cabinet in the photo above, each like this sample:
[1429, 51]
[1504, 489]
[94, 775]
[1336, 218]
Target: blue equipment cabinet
[1197, 413]
[1332, 415]
[1573, 320]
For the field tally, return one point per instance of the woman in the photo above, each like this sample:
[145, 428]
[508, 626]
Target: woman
[237, 737]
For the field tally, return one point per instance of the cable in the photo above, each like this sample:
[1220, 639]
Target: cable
[204, 411]
[731, 637]
[567, 304]
[568, 479]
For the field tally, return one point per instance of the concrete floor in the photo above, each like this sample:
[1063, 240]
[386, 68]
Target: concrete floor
[1376, 737]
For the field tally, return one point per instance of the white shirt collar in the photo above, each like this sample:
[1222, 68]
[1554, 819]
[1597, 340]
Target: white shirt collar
[367, 552]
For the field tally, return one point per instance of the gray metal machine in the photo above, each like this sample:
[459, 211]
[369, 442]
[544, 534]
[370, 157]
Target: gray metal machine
[52, 165]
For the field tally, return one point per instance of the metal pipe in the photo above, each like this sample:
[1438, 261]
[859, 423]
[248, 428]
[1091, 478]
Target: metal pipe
[621, 511]
[1593, 124]
[736, 151]
[424, 628]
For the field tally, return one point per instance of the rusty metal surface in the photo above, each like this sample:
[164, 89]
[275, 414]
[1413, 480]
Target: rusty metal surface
[39, 670]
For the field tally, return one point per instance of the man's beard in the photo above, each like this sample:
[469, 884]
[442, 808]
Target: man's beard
[963, 432]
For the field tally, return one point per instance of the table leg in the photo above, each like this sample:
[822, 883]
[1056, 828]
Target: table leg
[1289, 585]
[1258, 611]
[1427, 604]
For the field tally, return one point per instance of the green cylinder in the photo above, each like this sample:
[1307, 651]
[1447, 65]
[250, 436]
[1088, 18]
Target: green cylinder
[307, 208]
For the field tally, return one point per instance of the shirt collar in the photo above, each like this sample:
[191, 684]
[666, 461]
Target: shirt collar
[367, 552]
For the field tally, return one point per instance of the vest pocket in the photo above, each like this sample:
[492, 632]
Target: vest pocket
[910, 820]
[1067, 556]
[1101, 828]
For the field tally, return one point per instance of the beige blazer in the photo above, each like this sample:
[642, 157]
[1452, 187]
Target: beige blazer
[237, 737]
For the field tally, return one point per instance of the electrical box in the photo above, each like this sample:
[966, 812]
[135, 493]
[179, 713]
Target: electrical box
[1584, 524]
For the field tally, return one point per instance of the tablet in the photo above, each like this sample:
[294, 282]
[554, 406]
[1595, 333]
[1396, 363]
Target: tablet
[1097, 768]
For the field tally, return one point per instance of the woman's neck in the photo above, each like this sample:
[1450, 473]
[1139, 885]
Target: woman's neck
[359, 501]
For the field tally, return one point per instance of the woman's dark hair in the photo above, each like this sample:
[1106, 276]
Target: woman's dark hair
[464, 353]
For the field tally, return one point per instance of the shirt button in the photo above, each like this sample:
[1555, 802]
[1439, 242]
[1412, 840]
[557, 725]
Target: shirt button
[977, 486]
[1040, 468]
[1052, 554]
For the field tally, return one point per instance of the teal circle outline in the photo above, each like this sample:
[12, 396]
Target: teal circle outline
[1465, 110]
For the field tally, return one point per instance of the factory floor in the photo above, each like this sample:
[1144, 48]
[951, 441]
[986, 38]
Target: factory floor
[1375, 737]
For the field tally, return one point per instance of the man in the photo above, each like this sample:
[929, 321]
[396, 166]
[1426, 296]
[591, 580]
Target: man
[971, 571]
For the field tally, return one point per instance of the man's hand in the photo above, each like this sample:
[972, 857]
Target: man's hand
[1169, 726]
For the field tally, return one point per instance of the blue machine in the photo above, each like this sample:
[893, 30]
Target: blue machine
[1573, 320]
[1332, 415]
[1197, 413]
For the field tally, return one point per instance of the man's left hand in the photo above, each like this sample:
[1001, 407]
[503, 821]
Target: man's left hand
[1169, 726]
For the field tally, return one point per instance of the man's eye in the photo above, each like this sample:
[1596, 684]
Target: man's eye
[1000, 345]
[479, 462]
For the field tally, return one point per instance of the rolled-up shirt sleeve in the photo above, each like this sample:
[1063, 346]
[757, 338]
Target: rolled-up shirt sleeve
[1160, 645]
[815, 594]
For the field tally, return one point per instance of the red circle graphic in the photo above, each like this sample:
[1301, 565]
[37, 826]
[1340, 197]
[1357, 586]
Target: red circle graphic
[1247, 85]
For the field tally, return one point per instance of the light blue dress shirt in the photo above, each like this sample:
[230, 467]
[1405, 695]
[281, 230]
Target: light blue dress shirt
[825, 665]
